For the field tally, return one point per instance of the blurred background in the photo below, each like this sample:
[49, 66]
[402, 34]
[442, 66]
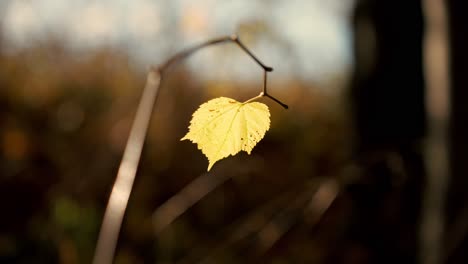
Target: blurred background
[366, 166]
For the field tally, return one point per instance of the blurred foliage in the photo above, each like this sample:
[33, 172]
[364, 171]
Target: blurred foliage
[64, 121]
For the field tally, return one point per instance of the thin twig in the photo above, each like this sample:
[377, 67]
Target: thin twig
[233, 38]
[265, 93]
[241, 229]
[123, 185]
[185, 53]
[265, 82]
[269, 223]
[184, 199]
[277, 101]
[252, 225]
[244, 48]
[314, 207]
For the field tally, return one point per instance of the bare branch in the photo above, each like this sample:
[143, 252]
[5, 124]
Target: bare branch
[120, 193]
[123, 185]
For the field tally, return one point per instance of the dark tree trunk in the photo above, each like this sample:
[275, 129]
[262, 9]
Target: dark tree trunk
[388, 99]
[457, 209]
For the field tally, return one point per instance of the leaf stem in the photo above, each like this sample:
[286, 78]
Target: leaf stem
[254, 98]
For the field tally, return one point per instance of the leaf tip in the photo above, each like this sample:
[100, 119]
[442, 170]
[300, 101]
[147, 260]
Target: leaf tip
[209, 166]
[185, 137]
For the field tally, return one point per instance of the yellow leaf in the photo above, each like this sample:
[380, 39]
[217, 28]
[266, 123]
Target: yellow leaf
[224, 126]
